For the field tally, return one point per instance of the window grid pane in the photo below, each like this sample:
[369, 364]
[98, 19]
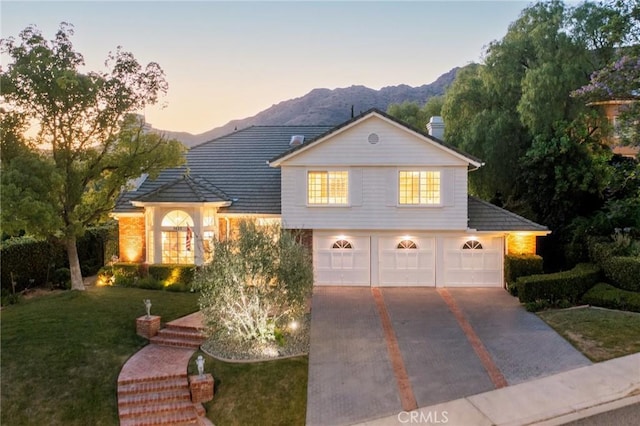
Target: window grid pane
[419, 187]
[327, 187]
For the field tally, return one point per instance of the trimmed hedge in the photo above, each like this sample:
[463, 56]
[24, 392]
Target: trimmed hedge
[623, 272]
[33, 261]
[173, 274]
[567, 285]
[608, 296]
[520, 265]
[154, 277]
[27, 259]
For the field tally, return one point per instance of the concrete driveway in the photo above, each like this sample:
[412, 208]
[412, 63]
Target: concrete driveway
[376, 352]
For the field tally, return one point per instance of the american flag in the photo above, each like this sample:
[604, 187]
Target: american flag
[189, 236]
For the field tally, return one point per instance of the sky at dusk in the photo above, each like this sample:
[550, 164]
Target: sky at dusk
[231, 60]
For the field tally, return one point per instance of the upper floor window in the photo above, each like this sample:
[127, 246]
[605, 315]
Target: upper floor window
[419, 187]
[328, 187]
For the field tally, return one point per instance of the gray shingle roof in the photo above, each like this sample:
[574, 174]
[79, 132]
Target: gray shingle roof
[485, 216]
[185, 189]
[235, 164]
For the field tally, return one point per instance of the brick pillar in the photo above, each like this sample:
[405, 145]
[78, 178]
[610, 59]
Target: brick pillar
[131, 237]
[201, 388]
[147, 327]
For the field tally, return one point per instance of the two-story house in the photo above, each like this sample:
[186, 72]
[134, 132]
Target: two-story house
[380, 203]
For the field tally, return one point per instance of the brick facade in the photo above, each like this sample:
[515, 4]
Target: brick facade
[131, 234]
[521, 244]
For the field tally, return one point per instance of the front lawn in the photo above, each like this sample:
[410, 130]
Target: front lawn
[598, 333]
[62, 353]
[268, 393]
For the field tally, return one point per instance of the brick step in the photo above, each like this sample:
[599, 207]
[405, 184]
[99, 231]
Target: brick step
[181, 334]
[152, 409]
[173, 395]
[150, 379]
[178, 343]
[182, 327]
[182, 418]
[153, 386]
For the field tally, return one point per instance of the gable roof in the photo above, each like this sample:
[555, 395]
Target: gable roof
[484, 216]
[186, 189]
[235, 164]
[275, 161]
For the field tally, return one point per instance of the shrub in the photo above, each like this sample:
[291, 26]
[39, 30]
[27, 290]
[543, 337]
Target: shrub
[623, 272]
[25, 258]
[152, 277]
[599, 250]
[173, 274]
[9, 298]
[62, 278]
[178, 287]
[569, 285]
[608, 296]
[520, 265]
[537, 305]
[148, 283]
[256, 283]
[33, 261]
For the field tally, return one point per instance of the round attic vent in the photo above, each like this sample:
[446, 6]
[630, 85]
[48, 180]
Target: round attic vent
[373, 138]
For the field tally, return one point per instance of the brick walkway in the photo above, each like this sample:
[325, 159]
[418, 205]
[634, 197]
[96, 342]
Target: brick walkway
[153, 388]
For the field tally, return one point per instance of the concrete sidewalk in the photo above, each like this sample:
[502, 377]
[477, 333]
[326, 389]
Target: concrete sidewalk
[552, 400]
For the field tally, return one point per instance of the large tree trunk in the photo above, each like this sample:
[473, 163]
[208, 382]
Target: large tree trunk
[74, 264]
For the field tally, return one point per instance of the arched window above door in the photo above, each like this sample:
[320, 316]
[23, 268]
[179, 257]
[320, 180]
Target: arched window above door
[177, 218]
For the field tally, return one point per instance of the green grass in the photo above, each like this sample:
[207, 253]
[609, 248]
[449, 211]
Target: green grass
[275, 392]
[599, 334]
[62, 353]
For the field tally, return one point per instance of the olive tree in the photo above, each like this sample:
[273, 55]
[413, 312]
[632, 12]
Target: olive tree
[257, 283]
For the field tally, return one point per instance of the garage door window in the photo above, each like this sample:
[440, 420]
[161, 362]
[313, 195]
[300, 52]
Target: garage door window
[472, 245]
[419, 187]
[407, 244]
[342, 244]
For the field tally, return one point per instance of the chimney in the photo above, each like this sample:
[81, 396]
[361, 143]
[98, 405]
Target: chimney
[435, 127]
[296, 140]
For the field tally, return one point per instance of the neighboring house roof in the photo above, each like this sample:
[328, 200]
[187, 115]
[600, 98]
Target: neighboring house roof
[235, 164]
[185, 189]
[374, 111]
[484, 216]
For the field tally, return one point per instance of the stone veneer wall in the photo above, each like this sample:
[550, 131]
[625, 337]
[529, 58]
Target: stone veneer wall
[131, 235]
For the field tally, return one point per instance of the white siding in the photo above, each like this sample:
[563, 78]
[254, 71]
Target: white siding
[376, 206]
[373, 181]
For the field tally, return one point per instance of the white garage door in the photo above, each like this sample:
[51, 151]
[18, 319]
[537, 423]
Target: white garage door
[407, 261]
[340, 260]
[473, 262]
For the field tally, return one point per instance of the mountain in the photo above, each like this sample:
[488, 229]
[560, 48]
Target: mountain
[325, 107]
